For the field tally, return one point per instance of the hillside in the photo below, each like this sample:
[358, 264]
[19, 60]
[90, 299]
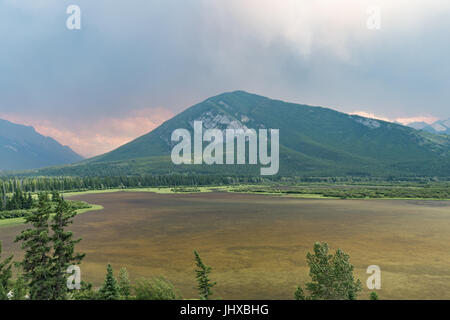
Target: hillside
[21, 147]
[313, 141]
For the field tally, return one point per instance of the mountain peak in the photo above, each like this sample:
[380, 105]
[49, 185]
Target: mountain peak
[237, 94]
[313, 141]
[22, 147]
[437, 127]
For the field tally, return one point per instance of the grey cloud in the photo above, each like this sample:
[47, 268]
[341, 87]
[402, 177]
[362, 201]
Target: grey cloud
[171, 54]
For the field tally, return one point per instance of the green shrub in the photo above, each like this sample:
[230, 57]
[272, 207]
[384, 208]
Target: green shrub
[155, 289]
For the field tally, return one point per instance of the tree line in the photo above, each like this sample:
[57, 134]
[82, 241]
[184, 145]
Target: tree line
[17, 201]
[20, 204]
[39, 184]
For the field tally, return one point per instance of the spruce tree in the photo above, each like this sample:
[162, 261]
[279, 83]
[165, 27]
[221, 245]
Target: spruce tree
[4, 200]
[29, 201]
[373, 296]
[110, 288]
[202, 275]
[63, 248]
[55, 196]
[299, 294]
[124, 284]
[36, 243]
[5, 275]
[19, 289]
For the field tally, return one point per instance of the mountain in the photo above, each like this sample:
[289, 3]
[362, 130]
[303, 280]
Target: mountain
[313, 141]
[438, 127]
[21, 147]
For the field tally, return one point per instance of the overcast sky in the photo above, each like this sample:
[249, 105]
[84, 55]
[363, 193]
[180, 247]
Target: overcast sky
[136, 63]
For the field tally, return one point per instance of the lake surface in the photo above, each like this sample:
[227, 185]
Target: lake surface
[257, 244]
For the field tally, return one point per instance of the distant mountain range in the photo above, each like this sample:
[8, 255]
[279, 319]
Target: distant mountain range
[21, 147]
[314, 141]
[438, 127]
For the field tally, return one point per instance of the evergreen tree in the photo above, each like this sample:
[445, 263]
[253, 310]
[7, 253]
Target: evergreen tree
[29, 202]
[202, 275]
[299, 294]
[374, 296]
[3, 196]
[36, 263]
[124, 284]
[19, 289]
[5, 275]
[110, 289]
[55, 196]
[85, 293]
[63, 248]
[331, 275]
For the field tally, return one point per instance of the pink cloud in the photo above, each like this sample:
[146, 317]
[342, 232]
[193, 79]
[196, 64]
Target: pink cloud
[404, 121]
[428, 120]
[369, 115]
[94, 138]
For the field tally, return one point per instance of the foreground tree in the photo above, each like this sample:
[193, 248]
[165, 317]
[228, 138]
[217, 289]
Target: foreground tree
[124, 284]
[373, 296]
[86, 292]
[202, 275]
[5, 275]
[110, 289]
[299, 294]
[49, 250]
[63, 248]
[19, 289]
[36, 243]
[331, 275]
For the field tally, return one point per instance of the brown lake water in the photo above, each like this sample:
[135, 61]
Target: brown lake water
[257, 244]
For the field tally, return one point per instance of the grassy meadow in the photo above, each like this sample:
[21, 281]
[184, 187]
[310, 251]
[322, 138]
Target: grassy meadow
[257, 243]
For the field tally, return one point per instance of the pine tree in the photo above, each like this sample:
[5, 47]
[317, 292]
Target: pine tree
[374, 296]
[331, 275]
[19, 289]
[202, 275]
[3, 196]
[110, 289]
[299, 294]
[29, 202]
[5, 275]
[124, 284]
[63, 248]
[55, 196]
[85, 293]
[36, 263]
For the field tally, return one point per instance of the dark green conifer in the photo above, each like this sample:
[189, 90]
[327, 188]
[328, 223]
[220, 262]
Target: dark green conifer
[110, 288]
[36, 242]
[63, 248]
[202, 275]
[5, 275]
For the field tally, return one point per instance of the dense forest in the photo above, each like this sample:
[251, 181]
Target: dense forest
[9, 185]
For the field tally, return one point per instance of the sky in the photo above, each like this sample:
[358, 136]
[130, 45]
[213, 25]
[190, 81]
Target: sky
[134, 64]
